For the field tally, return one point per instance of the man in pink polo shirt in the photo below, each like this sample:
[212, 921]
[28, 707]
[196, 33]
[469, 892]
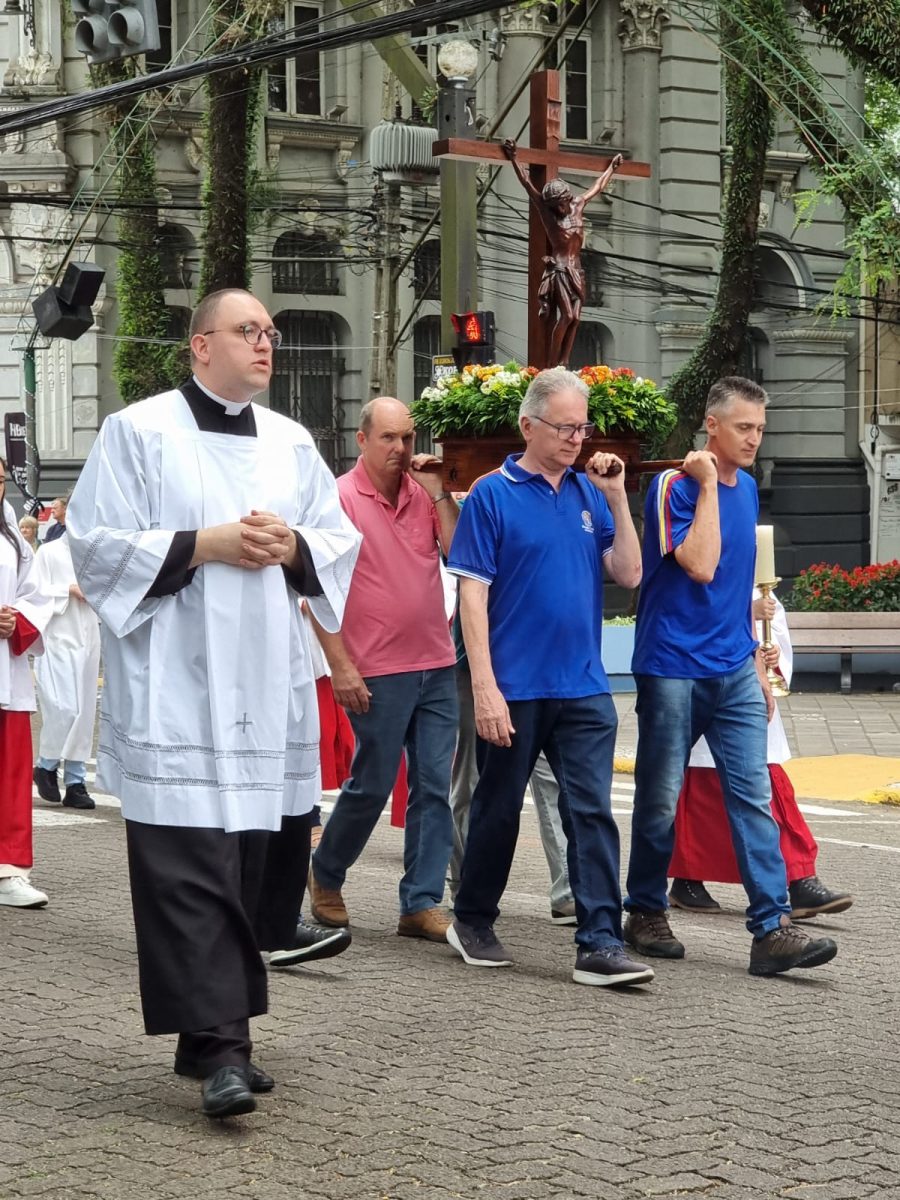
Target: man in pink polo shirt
[392, 668]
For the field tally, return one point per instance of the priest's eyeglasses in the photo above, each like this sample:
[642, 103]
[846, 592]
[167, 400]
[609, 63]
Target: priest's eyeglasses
[566, 432]
[253, 334]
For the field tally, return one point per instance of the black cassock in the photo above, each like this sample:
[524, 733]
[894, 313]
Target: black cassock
[205, 901]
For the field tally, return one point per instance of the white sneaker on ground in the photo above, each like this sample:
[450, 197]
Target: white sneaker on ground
[18, 892]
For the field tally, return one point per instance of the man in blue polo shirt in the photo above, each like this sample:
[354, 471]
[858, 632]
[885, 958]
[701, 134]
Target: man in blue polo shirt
[698, 674]
[530, 548]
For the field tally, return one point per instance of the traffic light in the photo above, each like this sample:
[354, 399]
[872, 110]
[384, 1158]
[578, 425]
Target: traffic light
[474, 338]
[112, 29]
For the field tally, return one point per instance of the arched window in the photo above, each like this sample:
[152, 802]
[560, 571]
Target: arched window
[594, 266]
[593, 345]
[775, 285]
[307, 264]
[176, 247]
[306, 378]
[427, 271]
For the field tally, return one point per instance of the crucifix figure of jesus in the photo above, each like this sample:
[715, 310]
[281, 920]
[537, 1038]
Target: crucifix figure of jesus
[561, 294]
[557, 237]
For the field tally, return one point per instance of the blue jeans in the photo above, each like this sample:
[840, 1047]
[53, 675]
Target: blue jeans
[578, 737]
[415, 710]
[730, 712]
[73, 772]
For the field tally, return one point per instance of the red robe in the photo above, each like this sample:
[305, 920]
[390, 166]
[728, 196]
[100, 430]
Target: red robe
[15, 768]
[703, 846]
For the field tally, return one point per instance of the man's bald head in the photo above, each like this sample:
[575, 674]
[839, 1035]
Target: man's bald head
[385, 439]
[386, 407]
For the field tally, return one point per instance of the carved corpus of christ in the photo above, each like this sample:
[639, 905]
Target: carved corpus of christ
[562, 289]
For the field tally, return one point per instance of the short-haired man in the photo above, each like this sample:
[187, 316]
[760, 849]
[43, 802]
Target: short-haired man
[532, 543]
[698, 673]
[392, 668]
[198, 519]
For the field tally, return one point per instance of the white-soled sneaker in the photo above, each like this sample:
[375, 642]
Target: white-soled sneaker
[18, 892]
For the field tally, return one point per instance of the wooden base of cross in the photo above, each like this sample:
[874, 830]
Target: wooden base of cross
[544, 160]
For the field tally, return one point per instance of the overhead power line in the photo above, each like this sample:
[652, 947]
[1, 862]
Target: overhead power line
[253, 54]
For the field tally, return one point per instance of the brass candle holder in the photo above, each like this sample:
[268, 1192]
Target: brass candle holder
[776, 682]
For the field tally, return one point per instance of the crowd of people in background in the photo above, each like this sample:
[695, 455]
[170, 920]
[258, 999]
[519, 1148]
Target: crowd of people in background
[240, 591]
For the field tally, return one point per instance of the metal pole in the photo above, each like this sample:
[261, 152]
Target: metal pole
[32, 465]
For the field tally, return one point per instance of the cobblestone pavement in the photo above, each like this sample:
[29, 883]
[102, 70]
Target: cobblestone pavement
[405, 1075]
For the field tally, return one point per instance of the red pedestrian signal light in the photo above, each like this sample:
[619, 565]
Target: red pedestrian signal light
[474, 338]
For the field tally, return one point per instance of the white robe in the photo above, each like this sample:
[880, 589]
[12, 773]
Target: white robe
[19, 590]
[208, 717]
[67, 673]
[778, 750]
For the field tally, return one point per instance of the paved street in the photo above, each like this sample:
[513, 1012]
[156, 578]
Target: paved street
[405, 1075]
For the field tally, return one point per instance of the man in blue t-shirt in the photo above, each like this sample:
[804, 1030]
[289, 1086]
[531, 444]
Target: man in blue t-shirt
[698, 674]
[530, 548]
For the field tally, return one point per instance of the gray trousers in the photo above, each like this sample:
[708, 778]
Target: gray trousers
[544, 789]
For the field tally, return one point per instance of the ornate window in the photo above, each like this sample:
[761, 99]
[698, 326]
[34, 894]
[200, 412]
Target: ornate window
[594, 265]
[573, 60]
[427, 271]
[306, 264]
[306, 378]
[156, 60]
[176, 247]
[295, 86]
[593, 345]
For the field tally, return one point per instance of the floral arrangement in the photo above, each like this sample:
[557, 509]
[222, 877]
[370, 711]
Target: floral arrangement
[478, 401]
[826, 587]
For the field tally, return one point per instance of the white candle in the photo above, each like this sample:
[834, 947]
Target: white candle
[765, 554]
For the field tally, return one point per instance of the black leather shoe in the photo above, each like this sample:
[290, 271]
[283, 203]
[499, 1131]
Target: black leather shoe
[227, 1093]
[311, 943]
[810, 897]
[257, 1079]
[47, 784]
[692, 896]
[77, 797]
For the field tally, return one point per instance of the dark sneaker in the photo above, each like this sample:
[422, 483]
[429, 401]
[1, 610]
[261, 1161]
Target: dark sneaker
[692, 896]
[787, 947]
[609, 967]
[810, 896]
[565, 914]
[77, 797]
[47, 784]
[310, 944]
[479, 947]
[650, 933]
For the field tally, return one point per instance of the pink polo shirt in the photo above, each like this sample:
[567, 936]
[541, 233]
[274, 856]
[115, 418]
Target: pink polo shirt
[394, 620]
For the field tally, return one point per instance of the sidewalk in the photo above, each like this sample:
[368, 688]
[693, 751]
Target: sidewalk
[405, 1075]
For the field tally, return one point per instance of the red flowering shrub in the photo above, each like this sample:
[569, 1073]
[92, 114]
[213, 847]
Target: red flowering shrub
[826, 587]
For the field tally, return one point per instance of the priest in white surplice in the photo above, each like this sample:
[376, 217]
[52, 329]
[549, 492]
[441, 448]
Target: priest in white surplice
[197, 521]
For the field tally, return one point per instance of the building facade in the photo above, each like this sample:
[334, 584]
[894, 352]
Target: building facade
[634, 78]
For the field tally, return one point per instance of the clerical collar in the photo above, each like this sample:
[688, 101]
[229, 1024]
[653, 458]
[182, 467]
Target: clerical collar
[232, 407]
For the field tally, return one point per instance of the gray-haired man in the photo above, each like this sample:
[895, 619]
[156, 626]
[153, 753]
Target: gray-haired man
[530, 548]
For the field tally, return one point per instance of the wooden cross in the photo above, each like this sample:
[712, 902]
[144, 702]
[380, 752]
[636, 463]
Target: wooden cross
[545, 160]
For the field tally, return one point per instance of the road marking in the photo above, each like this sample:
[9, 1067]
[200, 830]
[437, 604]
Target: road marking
[861, 845]
[54, 820]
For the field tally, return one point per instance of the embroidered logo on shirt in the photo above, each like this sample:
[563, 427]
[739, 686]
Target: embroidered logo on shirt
[587, 523]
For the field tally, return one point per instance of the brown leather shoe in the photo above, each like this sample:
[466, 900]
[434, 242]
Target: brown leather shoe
[430, 923]
[327, 904]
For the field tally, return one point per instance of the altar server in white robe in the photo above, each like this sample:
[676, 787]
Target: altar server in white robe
[24, 612]
[198, 519]
[66, 676]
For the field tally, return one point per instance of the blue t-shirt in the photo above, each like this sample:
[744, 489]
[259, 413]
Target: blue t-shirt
[541, 552]
[688, 630]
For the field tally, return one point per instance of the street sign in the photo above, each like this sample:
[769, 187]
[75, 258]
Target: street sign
[14, 429]
[441, 366]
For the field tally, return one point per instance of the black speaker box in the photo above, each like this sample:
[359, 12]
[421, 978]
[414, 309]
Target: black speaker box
[55, 318]
[81, 283]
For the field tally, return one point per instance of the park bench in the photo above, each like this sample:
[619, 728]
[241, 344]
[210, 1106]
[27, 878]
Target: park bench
[845, 634]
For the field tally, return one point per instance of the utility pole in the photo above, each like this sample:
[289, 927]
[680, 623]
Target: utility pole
[383, 374]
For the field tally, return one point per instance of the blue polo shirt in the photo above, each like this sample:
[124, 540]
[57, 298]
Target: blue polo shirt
[541, 553]
[688, 630]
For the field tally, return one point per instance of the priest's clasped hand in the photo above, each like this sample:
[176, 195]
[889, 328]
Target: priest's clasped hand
[267, 540]
[7, 621]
